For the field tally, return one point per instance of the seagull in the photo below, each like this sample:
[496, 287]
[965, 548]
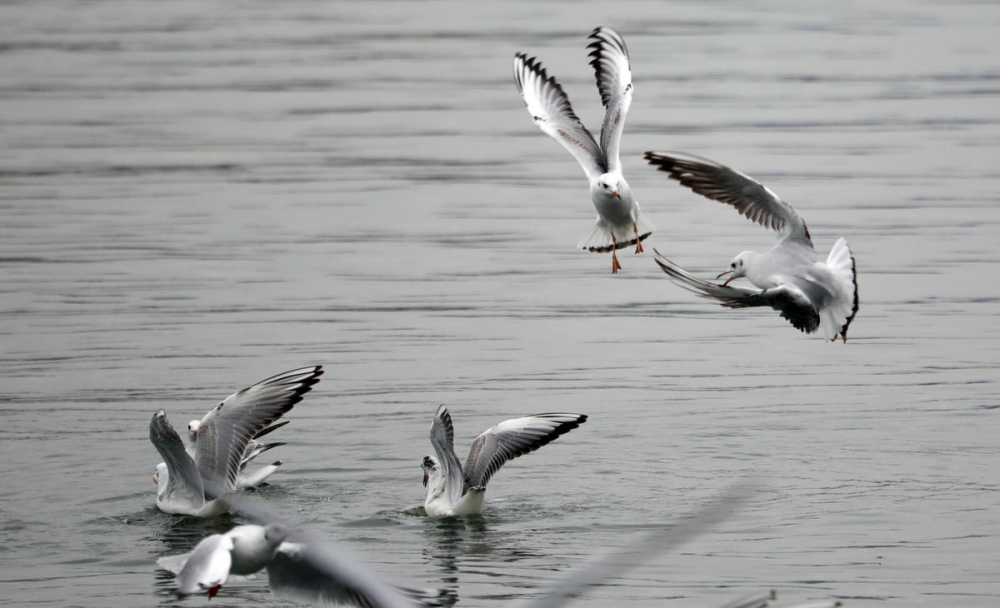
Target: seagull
[810, 292]
[220, 444]
[300, 565]
[619, 223]
[454, 490]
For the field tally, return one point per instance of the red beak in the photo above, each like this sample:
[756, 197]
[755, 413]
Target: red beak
[616, 193]
[724, 273]
[425, 480]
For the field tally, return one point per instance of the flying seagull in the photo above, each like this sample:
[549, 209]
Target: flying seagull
[619, 223]
[300, 565]
[454, 490]
[811, 293]
[221, 441]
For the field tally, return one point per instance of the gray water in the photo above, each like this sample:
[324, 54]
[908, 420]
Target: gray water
[196, 196]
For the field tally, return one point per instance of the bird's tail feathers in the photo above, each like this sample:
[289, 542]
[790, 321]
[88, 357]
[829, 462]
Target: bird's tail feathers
[837, 316]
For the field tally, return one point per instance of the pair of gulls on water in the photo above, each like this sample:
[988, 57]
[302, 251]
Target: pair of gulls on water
[221, 444]
[302, 565]
[198, 474]
[791, 278]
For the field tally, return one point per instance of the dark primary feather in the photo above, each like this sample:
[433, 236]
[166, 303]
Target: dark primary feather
[720, 183]
[513, 438]
[605, 66]
[791, 303]
[556, 116]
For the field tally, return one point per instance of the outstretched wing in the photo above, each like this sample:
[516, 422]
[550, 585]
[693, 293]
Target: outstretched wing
[443, 440]
[789, 301]
[641, 549]
[720, 183]
[513, 438]
[614, 81]
[320, 574]
[550, 109]
[225, 431]
[183, 480]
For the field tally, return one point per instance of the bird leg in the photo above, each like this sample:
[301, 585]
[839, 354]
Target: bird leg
[615, 266]
[638, 241]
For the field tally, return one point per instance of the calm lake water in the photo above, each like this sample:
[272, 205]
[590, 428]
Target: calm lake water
[195, 197]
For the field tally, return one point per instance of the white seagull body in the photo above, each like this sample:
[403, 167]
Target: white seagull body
[619, 221]
[221, 444]
[300, 566]
[812, 293]
[454, 490]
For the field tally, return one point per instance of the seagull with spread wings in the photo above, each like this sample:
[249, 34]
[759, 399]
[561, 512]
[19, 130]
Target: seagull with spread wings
[456, 490]
[220, 444]
[808, 291]
[619, 223]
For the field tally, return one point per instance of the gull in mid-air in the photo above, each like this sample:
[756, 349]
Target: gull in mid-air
[812, 293]
[220, 447]
[619, 221]
[456, 490]
[300, 565]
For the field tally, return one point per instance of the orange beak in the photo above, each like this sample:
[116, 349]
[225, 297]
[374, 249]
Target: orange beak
[154, 478]
[616, 194]
[724, 273]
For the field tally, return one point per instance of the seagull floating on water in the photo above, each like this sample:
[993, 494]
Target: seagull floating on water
[454, 490]
[221, 444]
[810, 292]
[619, 221]
[300, 566]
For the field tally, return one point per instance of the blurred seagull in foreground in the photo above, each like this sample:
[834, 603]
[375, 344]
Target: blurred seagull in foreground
[300, 565]
[792, 278]
[619, 221]
[650, 544]
[454, 490]
[223, 443]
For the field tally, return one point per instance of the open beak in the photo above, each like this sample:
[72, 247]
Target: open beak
[724, 273]
[425, 480]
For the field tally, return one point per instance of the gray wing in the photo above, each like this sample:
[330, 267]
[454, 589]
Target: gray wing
[319, 574]
[443, 440]
[311, 568]
[626, 558]
[549, 107]
[183, 478]
[513, 438]
[720, 183]
[791, 302]
[225, 431]
[614, 81]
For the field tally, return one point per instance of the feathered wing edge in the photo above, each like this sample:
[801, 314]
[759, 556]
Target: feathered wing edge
[789, 302]
[513, 438]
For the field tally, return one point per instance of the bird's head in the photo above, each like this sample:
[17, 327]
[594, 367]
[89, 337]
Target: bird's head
[738, 267]
[611, 184]
[431, 468]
